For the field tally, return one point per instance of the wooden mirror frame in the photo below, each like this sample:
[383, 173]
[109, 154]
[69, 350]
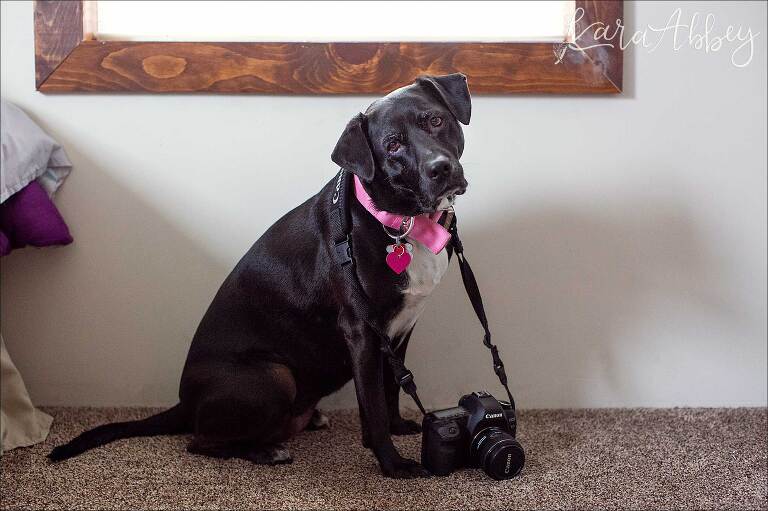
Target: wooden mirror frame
[69, 59]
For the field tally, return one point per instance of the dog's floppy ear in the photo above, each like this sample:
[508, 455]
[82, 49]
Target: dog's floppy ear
[453, 91]
[352, 151]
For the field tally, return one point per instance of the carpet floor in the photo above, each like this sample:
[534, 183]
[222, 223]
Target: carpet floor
[576, 459]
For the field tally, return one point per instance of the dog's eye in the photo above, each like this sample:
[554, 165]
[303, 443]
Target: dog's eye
[436, 121]
[393, 146]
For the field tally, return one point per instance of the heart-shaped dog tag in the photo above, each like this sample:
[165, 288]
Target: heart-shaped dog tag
[398, 258]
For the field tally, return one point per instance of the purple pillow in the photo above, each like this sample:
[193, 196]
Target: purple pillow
[5, 244]
[29, 217]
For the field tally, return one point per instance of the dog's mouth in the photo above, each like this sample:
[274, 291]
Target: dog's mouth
[446, 201]
[442, 204]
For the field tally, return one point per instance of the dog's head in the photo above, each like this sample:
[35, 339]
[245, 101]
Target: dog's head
[406, 146]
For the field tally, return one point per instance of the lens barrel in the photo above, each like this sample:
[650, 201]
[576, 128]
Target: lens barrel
[497, 453]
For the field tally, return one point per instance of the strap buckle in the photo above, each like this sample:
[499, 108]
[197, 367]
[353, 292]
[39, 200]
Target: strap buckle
[342, 251]
[405, 378]
[498, 365]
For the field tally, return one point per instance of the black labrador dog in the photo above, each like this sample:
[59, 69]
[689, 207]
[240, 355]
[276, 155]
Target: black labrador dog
[280, 333]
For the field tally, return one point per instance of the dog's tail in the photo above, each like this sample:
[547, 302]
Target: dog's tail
[169, 422]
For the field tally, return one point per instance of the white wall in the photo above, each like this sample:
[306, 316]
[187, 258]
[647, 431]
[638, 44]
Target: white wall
[620, 242]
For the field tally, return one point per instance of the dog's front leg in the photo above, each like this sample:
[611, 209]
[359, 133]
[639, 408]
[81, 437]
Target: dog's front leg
[397, 425]
[368, 373]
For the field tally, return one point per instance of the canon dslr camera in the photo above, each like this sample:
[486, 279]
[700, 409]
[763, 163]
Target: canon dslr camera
[480, 432]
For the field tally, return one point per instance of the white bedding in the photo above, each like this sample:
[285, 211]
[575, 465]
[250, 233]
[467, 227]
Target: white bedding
[28, 153]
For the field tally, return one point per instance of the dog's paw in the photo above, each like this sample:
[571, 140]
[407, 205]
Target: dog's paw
[404, 427]
[275, 455]
[403, 468]
[318, 421]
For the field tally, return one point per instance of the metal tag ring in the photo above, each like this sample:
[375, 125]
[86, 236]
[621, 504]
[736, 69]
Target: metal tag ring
[409, 220]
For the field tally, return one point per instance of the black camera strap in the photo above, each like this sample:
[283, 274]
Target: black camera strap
[360, 303]
[473, 292]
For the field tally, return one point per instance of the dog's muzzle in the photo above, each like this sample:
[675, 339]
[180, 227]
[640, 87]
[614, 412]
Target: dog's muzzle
[448, 198]
[446, 201]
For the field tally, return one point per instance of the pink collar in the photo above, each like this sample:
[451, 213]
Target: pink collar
[425, 227]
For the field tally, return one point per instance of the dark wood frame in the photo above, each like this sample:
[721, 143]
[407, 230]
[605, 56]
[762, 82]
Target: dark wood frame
[69, 59]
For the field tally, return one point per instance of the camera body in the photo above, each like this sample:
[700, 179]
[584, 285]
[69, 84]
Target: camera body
[480, 432]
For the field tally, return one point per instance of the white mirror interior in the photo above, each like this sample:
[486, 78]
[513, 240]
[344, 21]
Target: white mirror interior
[247, 21]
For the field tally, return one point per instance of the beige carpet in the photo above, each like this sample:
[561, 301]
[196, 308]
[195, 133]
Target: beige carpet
[577, 459]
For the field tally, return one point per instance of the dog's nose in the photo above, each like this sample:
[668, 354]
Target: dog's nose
[443, 169]
[440, 168]
[462, 185]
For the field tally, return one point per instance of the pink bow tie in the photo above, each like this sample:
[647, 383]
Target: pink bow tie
[425, 227]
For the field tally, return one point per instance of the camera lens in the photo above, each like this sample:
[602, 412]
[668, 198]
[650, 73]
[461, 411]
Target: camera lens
[497, 453]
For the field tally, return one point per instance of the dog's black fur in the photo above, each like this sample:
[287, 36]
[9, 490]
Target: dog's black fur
[279, 335]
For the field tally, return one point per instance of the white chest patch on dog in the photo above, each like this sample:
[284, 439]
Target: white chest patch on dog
[424, 274]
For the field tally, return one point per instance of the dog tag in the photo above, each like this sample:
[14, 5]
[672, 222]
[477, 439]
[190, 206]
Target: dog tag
[399, 257]
[408, 247]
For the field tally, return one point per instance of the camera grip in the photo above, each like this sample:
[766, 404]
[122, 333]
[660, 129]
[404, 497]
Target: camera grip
[442, 447]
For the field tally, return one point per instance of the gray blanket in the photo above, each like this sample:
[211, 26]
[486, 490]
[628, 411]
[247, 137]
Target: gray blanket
[28, 153]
